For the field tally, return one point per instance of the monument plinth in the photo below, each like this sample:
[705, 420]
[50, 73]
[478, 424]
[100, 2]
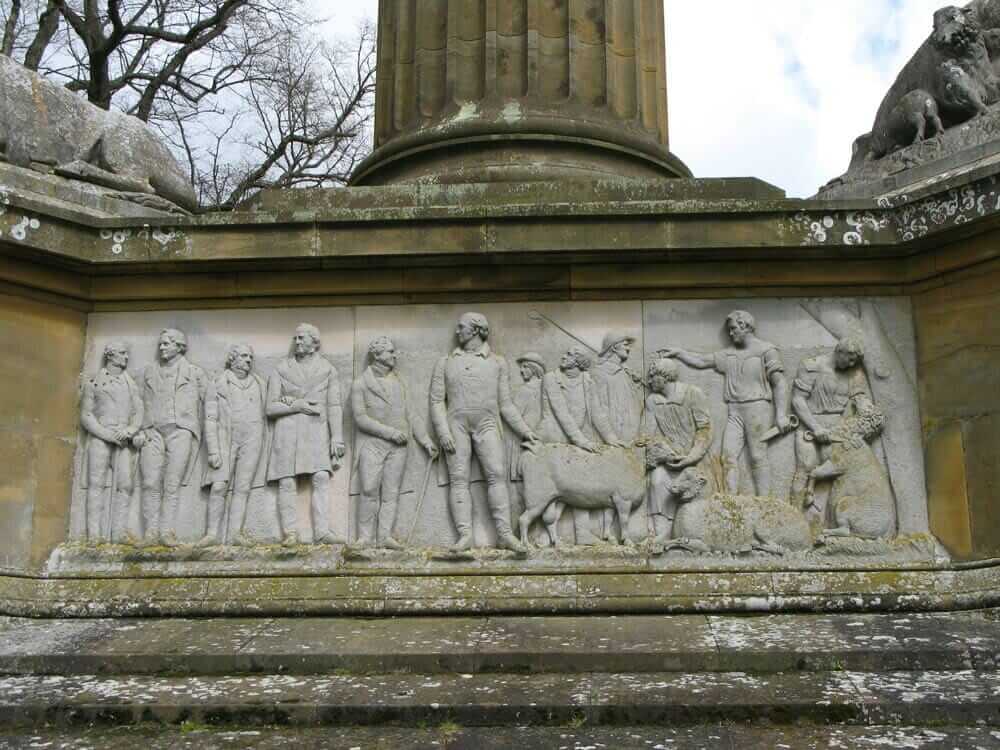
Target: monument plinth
[512, 90]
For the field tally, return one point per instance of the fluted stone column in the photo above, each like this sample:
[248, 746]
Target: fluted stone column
[511, 90]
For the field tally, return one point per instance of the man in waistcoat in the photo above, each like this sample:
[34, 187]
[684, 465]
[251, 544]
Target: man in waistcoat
[388, 427]
[235, 432]
[173, 396]
[111, 415]
[470, 395]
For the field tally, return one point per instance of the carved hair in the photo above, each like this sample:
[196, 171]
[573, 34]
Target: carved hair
[534, 367]
[379, 345]
[667, 368]
[853, 346]
[479, 322]
[864, 426]
[234, 352]
[690, 475]
[742, 317]
[177, 337]
[313, 332]
[114, 346]
[580, 358]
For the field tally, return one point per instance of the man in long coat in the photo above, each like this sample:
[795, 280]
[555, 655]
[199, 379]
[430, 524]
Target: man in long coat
[235, 434]
[303, 400]
[620, 391]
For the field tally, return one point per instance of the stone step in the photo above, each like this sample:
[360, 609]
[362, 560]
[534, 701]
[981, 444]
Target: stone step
[669, 699]
[550, 645]
[451, 736]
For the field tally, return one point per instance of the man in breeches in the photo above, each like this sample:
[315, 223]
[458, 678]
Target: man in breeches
[111, 414]
[470, 392]
[235, 431]
[383, 416]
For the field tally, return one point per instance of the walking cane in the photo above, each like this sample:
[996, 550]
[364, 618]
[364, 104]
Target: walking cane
[420, 500]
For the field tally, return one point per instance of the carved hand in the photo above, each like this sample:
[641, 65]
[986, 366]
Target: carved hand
[215, 460]
[432, 450]
[121, 437]
[311, 408]
[530, 437]
[399, 438]
[448, 444]
[139, 440]
[588, 446]
[822, 437]
[337, 450]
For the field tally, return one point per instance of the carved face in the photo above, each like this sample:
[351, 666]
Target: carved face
[739, 331]
[387, 356]
[303, 342]
[568, 361]
[622, 350]
[169, 349]
[242, 360]
[658, 382]
[466, 330]
[118, 358]
[845, 360]
[527, 373]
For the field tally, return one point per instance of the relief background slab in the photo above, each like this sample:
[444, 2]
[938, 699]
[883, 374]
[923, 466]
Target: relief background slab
[424, 333]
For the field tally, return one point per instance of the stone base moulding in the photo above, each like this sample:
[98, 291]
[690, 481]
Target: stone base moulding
[415, 594]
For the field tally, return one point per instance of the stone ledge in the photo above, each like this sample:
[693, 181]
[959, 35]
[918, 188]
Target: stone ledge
[548, 593]
[673, 699]
[304, 646]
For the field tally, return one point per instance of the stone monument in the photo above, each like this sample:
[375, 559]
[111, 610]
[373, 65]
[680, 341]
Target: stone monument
[544, 369]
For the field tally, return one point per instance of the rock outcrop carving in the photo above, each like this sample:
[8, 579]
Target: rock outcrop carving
[44, 125]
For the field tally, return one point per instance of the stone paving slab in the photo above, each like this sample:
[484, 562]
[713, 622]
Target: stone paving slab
[672, 698]
[454, 737]
[599, 643]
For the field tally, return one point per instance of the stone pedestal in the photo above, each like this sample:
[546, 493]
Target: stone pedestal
[520, 90]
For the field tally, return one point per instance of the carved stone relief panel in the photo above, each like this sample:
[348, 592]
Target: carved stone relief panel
[193, 471]
[504, 431]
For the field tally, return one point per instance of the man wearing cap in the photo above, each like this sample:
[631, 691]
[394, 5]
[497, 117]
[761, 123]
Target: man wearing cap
[755, 392]
[618, 389]
[470, 392]
[528, 400]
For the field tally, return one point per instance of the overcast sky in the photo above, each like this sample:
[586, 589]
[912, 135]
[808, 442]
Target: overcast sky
[776, 89]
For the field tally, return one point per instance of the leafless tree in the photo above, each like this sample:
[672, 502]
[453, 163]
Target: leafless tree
[243, 89]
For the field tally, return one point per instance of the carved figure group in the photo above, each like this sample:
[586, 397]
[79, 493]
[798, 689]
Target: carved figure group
[593, 437]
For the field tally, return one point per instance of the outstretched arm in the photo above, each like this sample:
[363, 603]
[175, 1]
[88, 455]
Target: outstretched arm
[691, 359]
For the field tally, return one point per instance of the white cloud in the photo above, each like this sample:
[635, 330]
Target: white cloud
[779, 89]
[776, 89]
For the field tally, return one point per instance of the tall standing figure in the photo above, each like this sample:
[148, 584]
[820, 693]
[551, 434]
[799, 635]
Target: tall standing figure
[235, 432]
[111, 415]
[173, 396]
[470, 392]
[756, 394]
[303, 400]
[528, 400]
[383, 416]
